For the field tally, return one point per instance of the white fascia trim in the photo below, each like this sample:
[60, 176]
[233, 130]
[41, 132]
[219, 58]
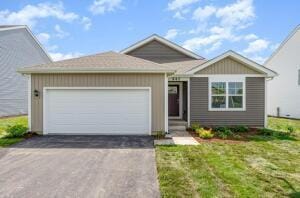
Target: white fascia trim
[283, 43]
[95, 88]
[239, 58]
[233, 75]
[166, 105]
[226, 79]
[13, 27]
[164, 41]
[27, 71]
[29, 102]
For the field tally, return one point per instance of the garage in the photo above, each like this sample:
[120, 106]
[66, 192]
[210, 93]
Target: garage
[98, 111]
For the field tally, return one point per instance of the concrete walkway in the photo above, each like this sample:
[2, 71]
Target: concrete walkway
[177, 138]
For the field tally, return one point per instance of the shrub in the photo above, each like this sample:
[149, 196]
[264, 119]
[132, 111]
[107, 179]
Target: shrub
[205, 134]
[17, 130]
[223, 132]
[266, 131]
[195, 126]
[240, 128]
[290, 129]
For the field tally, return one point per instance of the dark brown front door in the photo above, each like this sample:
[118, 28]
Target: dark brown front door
[173, 100]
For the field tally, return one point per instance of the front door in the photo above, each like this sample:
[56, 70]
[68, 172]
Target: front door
[173, 91]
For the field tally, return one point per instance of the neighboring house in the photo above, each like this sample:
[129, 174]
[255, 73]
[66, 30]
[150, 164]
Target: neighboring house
[139, 89]
[284, 90]
[18, 48]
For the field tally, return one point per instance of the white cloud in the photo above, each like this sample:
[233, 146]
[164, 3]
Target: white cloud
[203, 14]
[214, 47]
[274, 47]
[238, 14]
[171, 34]
[250, 37]
[259, 59]
[43, 37]
[31, 14]
[256, 46]
[87, 23]
[103, 6]
[59, 32]
[178, 4]
[56, 56]
[199, 42]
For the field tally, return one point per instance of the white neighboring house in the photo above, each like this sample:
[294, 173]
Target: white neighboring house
[284, 90]
[18, 48]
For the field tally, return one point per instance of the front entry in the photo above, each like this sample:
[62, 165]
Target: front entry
[173, 92]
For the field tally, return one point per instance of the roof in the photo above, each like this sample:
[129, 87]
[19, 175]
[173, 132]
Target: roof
[25, 27]
[163, 41]
[99, 63]
[182, 67]
[249, 63]
[283, 43]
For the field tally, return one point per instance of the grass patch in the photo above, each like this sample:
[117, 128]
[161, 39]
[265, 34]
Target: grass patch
[264, 167]
[4, 123]
[281, 124]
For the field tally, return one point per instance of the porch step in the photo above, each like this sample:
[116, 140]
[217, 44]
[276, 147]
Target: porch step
[178, 123]
[177, 127]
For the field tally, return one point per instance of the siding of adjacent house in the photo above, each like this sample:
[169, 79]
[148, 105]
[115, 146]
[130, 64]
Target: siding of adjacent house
[160, 53]
[17, 49]
[155, 81]
[255, 105]
[227, 66]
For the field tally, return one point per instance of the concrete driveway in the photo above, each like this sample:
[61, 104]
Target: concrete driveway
[79, 166]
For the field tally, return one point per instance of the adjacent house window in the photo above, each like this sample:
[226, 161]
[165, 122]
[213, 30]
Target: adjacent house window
[227, 94]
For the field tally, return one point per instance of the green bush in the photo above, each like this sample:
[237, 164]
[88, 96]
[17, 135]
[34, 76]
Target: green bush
[240, 129]
[223, 132]
[205, 134]
[195, 126]
[159, 134]
[290, 129]
[17, 130]
[266, 131]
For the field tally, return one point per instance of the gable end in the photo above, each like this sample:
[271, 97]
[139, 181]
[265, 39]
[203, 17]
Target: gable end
[228, 66]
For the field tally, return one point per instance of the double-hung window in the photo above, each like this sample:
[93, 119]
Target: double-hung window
[227, 94]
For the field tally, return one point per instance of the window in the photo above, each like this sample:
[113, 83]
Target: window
[227, 94]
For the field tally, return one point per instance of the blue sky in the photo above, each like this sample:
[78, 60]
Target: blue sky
[73, 28]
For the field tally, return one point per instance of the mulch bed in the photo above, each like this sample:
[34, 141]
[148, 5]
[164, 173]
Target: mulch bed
[30, 135]
[243, 137]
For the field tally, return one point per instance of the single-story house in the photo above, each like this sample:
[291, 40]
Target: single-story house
[138, 90]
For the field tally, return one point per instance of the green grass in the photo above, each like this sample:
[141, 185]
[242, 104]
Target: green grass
[266, 167]
[4, 122]
[282, 123]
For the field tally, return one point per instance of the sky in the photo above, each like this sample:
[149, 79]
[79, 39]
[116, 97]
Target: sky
[72, 28]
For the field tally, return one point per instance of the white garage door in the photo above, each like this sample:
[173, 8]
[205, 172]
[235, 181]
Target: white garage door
[97, 111]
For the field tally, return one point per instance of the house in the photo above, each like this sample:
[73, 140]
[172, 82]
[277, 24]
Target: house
[284, 90]
[138, 90]
[18, 48]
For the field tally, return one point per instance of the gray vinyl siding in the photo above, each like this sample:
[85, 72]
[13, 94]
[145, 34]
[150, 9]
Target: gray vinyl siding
[255, 105]
[227, 66]
[17, 49]
[155, 81]
[160, 53]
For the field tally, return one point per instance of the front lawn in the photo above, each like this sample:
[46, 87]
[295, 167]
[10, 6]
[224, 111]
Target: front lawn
[263, 167]
[4, 122]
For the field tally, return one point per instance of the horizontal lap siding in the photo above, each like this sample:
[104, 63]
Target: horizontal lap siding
[255, 105]
[157, 52]
[155, 81]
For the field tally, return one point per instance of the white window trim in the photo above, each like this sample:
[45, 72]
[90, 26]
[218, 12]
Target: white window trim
[227, 79]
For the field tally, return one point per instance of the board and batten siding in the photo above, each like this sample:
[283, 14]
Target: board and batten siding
[255, 105]
[17, 49]
[227, 66]
[158, 52]
[155, 81]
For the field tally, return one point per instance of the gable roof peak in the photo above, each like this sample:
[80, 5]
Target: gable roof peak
[164, 41]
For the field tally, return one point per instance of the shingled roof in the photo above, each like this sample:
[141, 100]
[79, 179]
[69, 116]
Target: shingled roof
[103, 62]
